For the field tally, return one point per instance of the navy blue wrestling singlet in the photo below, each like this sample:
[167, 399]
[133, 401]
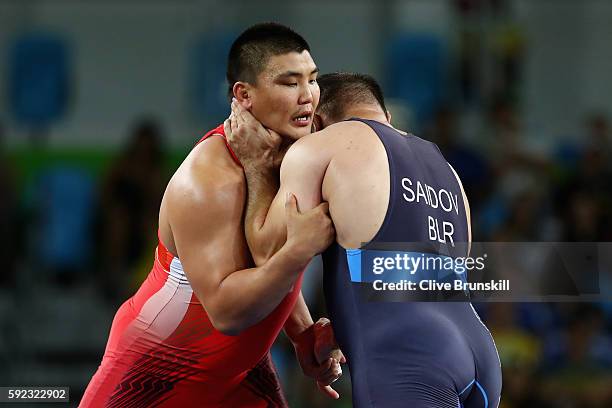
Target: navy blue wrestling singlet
[412, 354]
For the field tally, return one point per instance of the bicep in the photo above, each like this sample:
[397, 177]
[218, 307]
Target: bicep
[209, 241]
[301, 174]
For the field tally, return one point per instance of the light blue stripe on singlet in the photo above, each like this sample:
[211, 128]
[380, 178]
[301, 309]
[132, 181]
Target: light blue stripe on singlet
[353, 257]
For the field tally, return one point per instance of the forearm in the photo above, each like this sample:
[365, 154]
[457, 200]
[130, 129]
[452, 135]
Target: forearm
[299, 320]
[262, 188]
[246, 297]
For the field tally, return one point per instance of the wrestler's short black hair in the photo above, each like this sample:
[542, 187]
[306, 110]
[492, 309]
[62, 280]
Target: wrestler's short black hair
[342, 89]
[253, 48]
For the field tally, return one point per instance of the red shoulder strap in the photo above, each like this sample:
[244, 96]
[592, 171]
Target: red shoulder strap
[164, 256]
[221, 132]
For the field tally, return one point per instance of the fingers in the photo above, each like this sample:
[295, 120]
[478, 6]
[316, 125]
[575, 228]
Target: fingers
[329, 372]
[324, 207]
[291, 203]
[328, 390]
[336, 354]
[325, 343]
[322, 322]
[326, 366]
[291, 207]
[238, 112]
[233, 123]
[243, 116]
[237, 116]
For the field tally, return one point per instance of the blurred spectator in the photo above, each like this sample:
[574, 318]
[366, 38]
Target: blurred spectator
[585, 219]
[516, 160]
[468, 163]
[9, 231]
[523, 219]
[131, 195]
[587, 190]
[520, 170]
[599, 137]
[594, 173]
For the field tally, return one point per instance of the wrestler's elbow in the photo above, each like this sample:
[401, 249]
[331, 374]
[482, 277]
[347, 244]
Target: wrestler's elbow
[228, 327]
[227, 321]
[226, 324]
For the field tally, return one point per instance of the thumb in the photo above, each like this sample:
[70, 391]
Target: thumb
[227, 129]
[291, 207]
[328, 390]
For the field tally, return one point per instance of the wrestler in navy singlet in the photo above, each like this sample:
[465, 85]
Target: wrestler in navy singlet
[412, 354]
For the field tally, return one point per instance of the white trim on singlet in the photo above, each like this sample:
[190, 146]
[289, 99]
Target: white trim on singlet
[177, 272]
[164, 310]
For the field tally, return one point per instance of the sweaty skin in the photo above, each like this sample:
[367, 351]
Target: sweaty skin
[206, 195]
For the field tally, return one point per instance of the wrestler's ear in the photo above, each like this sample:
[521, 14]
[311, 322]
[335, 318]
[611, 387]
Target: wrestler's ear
[242, 93]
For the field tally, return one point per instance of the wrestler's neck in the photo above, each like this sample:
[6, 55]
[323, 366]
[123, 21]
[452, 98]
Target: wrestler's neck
[369, 112]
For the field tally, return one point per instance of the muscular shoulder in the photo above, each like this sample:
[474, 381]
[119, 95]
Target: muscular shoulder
[328, 143]
[333, 138]
[317, 150]
[316, 147]
[334, 133]
[208, 181]
[304, 156]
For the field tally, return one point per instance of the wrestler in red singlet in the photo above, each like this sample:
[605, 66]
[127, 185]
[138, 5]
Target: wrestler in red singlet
[169, 344]
[163, 350]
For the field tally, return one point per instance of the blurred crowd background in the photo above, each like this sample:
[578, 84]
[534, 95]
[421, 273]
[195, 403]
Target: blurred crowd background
[100, 101]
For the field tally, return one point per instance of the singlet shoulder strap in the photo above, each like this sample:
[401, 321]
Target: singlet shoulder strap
[220, 132]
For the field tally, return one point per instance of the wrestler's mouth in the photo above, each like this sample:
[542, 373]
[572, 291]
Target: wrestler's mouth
[302, 119]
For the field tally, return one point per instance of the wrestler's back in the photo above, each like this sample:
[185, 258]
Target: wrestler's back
[407, 353]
